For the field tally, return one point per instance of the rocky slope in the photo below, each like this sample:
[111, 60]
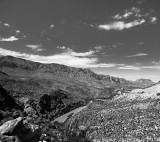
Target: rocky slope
[132, 117]
[29, 120]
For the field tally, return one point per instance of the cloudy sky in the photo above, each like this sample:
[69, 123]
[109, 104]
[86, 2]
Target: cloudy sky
[114, 37]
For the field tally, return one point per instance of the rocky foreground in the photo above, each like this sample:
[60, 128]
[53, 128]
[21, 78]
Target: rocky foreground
[27, 120]
[132, 117]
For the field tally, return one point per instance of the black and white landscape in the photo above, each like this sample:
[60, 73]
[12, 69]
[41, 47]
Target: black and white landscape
[79, 71]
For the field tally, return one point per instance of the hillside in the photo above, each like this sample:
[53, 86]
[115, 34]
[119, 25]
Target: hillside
[132, 117]
[85, 75]
[33, 79]
[27, 79]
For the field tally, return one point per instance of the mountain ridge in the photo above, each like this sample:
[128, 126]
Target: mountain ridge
[72, 72]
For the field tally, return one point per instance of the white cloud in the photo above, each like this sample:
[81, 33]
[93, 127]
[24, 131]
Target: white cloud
[151, 67]
[98, 48]
[137, 55]
[84, 60]
[135, 10]
[102, 65]
[81, 54]
[120, 25]
[61, 47]
[40, 49]
[156, 62]
[17, 31]
[135, 13]
[128, 67]
[67, 58]
[35, 47]
[6, 24]
[117, 16]
[136, 67]
[154, 20]
[12, 38]
[51, 26]
[127, 13]
[72, 53]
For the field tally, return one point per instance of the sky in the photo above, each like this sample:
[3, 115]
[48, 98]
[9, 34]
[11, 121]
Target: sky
[112, 37]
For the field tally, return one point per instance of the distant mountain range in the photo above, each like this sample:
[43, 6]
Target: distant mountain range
[25, 68]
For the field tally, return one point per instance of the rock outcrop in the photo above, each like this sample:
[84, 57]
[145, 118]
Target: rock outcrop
[17, 129]
[9, 127]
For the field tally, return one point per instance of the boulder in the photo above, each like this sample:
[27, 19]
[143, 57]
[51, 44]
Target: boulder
[28, 109]
[10, 126]
[30, 133]
[25, 132]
